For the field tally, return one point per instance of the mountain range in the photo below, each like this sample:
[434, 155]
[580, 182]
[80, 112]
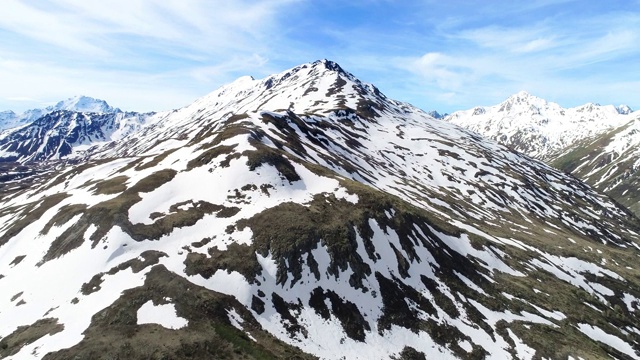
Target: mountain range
[598, 144]
[305, 215]
[84, 104]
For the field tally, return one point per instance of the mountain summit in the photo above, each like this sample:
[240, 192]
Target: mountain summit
[83, 104]
[541, 129]
[314, 87]
[308, 215]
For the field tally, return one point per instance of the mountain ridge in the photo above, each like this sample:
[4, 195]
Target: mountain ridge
[539, 128]
[594, 143]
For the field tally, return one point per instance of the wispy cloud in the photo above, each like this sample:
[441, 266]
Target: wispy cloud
[116, 47]
[531, 39]
[542, 57]
[100, 28]
[144, 54]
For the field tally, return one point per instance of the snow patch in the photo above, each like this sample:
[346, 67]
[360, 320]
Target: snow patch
[163, 314]
[615, 342]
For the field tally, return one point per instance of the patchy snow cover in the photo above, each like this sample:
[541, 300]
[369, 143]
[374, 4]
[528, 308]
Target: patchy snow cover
[465, 191]
[50, 288]
[237, 322]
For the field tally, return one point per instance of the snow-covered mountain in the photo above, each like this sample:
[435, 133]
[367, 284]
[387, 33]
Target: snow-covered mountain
[67, 129]
[610, 162]
[65, 133]
[541, 129]
[84, 104]
[598, 144]
[307, 212]
[7, 116]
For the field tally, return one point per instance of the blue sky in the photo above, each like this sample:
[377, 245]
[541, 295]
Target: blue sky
[438, 55]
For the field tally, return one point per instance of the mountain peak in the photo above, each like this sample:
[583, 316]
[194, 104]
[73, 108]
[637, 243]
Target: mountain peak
[624, 109]
[436, 115]
[524, 97]
[337, 219]
[83, 103]
[522, 94]
[329, 65]
[523, 101]
[315, 87]
[539, 128]
[7, 114]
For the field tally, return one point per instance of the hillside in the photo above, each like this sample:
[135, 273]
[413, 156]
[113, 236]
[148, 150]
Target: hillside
[307, 214]
[609, 162]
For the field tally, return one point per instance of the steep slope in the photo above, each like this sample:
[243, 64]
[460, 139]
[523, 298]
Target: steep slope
[541, 129]
[7, 118]
[609, 162]
[63, 133]
[337, 220]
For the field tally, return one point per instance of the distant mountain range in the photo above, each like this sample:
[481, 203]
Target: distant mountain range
[599, 144]
[307, 215]
[84, 104]
[65, 130]
[541, 129]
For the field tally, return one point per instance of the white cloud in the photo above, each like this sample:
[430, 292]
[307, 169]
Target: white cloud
[131, 52]
[22, 98]
[535, 45]
[102, 27]
[528, 39]
[52, 27]
[561, 60]
[440, 69]
[46, 83]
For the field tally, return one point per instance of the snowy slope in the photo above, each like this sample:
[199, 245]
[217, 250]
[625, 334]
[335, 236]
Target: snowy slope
[541, 129]
[339, 221]
[609, 162]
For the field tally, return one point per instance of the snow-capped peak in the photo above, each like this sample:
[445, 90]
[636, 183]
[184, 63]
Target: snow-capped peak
[624, 109]
[522, 95]
[7, 115]
[314, 87]
[537, 127]
[84, 104]
[337, 220]
[524, 102]
[436, 115]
